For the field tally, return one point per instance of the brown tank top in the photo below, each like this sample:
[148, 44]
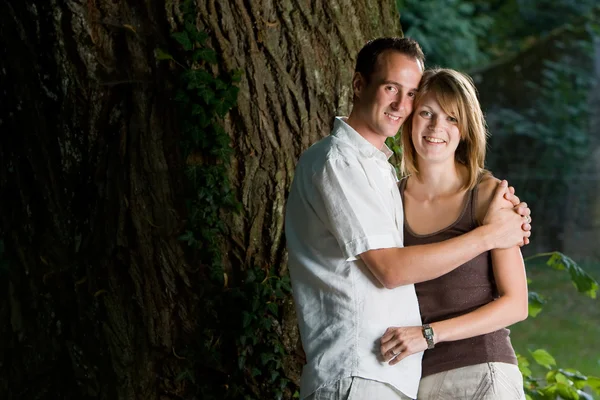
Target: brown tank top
[459, 292]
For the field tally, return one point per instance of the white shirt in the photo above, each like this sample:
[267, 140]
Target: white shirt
[344, 201]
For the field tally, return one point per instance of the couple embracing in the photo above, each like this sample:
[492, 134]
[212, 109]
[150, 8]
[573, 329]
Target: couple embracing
[404, 288]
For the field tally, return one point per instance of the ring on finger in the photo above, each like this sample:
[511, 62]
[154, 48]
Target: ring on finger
[527, 219]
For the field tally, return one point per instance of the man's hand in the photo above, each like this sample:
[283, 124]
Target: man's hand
[507, 227]
[398, 343]
[521, 208]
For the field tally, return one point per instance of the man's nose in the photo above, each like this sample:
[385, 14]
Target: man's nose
[400, 103]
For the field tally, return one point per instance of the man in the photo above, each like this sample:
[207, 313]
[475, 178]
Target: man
[344, 224]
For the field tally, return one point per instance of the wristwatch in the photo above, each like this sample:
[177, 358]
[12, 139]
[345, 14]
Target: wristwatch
[428, 335]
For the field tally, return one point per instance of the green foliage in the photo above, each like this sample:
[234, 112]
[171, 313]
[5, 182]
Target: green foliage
[517, 24]
[238, 353]
[259, 345]
[554, 129]
[558, 383]
[582, 281]
[563, 383]
[536, 303]
[474, 34]
[466, 34]
[432, 23]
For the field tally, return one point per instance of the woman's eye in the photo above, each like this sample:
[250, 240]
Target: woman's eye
[425, 114]
[453, 120]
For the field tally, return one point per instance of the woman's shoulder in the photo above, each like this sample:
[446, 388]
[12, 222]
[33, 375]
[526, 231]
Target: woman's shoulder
[486, 187]
[487, 183]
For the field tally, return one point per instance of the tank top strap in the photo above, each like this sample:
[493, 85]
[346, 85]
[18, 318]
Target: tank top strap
[402, 186]
[473, 201]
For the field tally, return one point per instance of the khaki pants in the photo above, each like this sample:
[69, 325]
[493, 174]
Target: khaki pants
[356, 388]
[487, 381]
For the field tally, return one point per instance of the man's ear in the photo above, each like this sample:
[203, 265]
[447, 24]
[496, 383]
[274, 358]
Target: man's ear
[358, 84]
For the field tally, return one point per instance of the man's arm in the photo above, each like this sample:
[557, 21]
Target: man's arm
[395, 267]
[398, 343]
[510, 307]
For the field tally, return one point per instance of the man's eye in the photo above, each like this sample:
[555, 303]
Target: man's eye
[391, 89]
[411, 94]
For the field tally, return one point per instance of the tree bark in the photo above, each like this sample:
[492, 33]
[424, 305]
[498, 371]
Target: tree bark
[98, 298]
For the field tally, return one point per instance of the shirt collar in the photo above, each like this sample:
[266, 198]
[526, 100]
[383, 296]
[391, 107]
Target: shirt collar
[345, 132]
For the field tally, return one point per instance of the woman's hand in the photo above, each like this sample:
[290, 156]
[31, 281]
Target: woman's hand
[398, 343]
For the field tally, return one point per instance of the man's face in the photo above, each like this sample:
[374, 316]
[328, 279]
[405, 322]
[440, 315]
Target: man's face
[383, 103]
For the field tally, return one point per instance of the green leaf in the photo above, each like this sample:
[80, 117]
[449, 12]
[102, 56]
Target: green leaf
[524, 366]
[220, 85]
[573, 374]
[205, 54]
[186, 374]
[582, 281]
[160, 54]
[274, 375]
[273, 308]
[198, 78]
[207, 95]
[237, 75]
[551, 376]
[543, 358]
[567, 392]
[560, 378]
[246, 319]
[549, 391]
[222, 109]
[195, 34]
[183, 39]
[266, 323]
[265, 358]
[594, 383]
[536, 303]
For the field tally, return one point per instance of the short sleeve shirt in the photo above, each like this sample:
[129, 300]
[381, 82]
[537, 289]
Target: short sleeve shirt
[343, 202]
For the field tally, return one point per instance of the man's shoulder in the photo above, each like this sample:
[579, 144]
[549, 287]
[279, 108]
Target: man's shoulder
[328, 149]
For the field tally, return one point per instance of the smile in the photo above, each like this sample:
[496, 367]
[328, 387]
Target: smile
[434, 140]
[393, 117]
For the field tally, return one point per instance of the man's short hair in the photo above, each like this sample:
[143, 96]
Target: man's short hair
[367, 56]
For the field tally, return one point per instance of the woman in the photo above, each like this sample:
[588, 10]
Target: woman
[447, 193]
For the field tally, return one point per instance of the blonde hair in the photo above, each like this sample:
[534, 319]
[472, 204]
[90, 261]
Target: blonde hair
[457, 96]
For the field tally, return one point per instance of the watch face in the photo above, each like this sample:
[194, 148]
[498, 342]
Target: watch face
[428, 331]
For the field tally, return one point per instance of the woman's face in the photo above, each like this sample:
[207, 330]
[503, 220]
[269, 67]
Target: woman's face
[435, 134]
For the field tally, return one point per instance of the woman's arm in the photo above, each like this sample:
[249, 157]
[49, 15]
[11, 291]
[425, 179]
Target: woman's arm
[510, 307]
[509, 272]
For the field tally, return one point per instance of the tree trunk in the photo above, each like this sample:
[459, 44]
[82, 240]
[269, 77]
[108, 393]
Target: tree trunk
[99, 300]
